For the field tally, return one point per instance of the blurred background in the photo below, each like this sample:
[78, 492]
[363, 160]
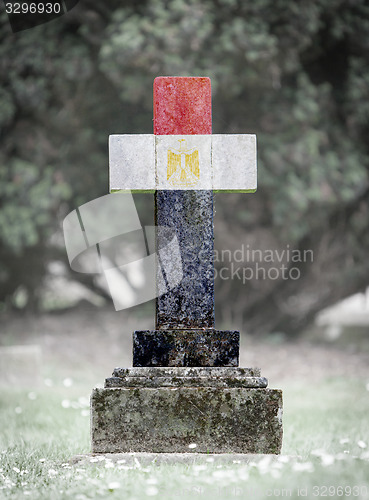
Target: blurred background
[294, 73]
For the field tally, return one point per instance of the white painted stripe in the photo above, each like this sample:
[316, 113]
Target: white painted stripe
[219, 162]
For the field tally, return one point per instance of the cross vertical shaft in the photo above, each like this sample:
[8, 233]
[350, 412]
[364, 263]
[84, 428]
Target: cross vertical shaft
[185, 333]
[182, 106]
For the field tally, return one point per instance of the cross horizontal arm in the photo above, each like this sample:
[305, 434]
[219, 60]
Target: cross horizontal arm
[218, 162]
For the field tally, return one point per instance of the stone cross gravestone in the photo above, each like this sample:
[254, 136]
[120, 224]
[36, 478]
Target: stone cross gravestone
[185, 386]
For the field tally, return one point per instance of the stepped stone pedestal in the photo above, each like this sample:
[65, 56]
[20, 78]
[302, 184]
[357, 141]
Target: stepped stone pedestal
[185, 392]
[220, 410]
[186, 389]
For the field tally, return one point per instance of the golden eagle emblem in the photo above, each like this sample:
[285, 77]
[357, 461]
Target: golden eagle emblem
[183, 166]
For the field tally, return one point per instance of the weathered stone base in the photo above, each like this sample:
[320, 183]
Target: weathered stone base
[160, 377]
[216, 417]
[197, 347]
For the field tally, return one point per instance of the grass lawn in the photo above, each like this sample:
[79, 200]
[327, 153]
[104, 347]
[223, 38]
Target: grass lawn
[325, 451]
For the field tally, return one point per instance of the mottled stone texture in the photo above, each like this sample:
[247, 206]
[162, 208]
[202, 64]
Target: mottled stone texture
[188, 143]
[186, 371]
[185, 348]
[187, 377]
[217, 420]
[139, 163]
[190, 214]
[132, 162]
[130, 382]
[234, 162]
[182, 105]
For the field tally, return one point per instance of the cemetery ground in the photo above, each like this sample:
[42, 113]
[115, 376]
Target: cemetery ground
[43, 426]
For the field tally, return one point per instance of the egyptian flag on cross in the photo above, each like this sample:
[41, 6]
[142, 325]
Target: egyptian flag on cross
[182, 153]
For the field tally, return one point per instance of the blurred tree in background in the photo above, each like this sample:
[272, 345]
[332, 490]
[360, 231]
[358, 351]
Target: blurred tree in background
[294, 73]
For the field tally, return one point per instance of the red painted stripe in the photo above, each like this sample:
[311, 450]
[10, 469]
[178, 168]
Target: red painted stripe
[182, 105]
